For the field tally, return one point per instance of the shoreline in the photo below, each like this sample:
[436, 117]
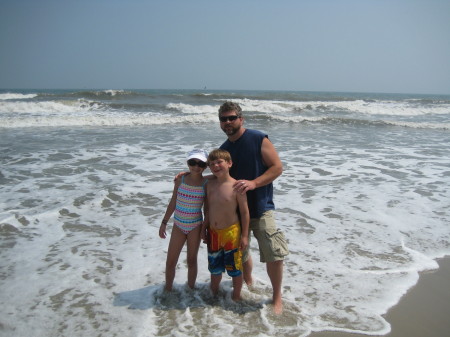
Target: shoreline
[421, 312]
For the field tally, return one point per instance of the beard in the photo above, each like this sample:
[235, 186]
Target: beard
[231, 130]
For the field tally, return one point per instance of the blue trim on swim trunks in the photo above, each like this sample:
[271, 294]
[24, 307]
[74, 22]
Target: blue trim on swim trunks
[223, 260]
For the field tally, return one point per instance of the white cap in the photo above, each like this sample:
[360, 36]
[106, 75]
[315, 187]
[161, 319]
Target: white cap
[199, 154]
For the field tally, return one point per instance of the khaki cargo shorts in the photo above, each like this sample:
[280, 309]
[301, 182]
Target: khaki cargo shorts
[271, 241]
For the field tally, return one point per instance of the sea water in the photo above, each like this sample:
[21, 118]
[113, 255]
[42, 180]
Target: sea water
[86, 176]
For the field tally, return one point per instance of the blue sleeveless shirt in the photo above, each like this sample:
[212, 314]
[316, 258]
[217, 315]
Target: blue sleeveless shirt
[248, 164]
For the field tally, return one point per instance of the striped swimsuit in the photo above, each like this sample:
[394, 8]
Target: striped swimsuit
[188, 209]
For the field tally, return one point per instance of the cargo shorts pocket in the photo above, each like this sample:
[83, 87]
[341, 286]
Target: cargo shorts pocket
[278, 246]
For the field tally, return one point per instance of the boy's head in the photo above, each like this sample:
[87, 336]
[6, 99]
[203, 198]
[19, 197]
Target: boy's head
[218, 154]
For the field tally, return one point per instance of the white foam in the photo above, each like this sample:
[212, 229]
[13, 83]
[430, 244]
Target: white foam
[391, 108]
[193, 109]
[46, 107]
[15, 96]
[113, 92]
[102, 119]
[362, 221]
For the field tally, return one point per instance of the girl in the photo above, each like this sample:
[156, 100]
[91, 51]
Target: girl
[187, 200]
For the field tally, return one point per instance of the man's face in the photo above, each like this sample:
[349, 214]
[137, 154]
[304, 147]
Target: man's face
[230, 123]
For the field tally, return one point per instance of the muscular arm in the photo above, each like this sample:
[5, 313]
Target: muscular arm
[274, 169]
[272, 161]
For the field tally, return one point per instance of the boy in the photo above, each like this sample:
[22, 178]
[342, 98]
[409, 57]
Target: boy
[228, 221]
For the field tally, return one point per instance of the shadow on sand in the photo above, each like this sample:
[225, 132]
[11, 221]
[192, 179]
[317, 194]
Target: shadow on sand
[181, 297]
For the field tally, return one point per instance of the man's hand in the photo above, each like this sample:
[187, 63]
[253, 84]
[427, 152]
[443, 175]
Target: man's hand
[242, 186]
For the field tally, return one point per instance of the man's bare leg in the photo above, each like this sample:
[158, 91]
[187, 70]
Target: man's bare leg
[275, 272]
[248, 268]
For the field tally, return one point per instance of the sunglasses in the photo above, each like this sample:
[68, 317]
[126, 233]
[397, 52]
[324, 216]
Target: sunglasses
[192, 162]
[228, 118]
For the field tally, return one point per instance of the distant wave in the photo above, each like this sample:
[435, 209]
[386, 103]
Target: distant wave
[101, 94]
[14, 96]
[102, 120]
[393, 108]
[48, 106]
[152, 107]
[108, 119]
[362, 122]
[192, 109]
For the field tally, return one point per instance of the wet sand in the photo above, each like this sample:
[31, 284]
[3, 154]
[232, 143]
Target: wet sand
[422, 312]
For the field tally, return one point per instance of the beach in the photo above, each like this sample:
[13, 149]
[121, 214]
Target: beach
[422, 312]
[86, 176]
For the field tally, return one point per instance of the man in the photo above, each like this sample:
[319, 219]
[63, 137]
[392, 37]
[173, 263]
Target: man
[255, 166]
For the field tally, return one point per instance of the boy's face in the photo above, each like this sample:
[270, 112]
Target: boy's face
[219, 166]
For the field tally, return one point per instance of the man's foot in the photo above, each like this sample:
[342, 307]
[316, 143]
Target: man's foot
[278, 308]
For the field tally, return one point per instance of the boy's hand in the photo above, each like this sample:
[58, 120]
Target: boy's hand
[244, 243]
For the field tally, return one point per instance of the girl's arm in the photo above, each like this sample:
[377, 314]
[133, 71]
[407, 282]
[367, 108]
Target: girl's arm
[205, 224]
[170, 209]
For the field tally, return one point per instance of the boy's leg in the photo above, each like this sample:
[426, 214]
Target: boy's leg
[193, 244]
[177, 240]
[237, 287]
[215, 282]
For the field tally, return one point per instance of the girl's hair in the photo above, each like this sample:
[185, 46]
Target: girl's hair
[219, 154]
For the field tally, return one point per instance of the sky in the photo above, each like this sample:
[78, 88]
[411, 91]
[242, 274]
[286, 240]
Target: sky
[388, 46]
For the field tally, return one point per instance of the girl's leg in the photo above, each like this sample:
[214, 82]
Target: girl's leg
[193, 244]
[177, 240]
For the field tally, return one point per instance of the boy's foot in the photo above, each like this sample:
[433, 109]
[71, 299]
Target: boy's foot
[236, 298]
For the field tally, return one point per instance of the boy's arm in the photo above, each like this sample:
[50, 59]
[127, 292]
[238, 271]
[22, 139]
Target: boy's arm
[245, 219]
[169, 211]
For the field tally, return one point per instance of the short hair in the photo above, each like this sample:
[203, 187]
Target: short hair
[219, 154]
[230, 106]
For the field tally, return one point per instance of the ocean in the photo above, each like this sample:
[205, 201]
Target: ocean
[86, 176]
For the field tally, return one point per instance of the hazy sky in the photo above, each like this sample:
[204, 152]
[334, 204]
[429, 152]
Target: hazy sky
[314, 45]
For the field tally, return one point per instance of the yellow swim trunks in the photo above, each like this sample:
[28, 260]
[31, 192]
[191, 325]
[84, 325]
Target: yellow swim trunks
[223, 250]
